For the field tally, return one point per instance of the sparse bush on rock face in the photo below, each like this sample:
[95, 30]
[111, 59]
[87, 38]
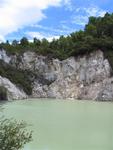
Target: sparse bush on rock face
[19, 77]
[13, 135]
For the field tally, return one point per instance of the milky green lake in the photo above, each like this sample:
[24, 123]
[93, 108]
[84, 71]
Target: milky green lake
[65, 125]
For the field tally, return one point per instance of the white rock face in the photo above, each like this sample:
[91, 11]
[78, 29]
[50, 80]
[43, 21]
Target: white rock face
[13, 92]
[87, 77]
[4, 56]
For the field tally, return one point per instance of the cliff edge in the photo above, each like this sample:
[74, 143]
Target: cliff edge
[86, 77]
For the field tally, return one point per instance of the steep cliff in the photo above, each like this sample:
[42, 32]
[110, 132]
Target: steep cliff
[84, 77]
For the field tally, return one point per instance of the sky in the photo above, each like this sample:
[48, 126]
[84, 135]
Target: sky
[47, 18]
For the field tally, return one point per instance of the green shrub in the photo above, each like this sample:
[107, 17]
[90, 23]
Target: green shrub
[13, 135]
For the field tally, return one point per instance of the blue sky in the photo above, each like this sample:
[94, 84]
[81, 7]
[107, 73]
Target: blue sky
[47, 18]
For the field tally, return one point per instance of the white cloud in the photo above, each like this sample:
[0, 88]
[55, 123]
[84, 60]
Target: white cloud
[15, 14]
[35, 34]
[40, 36]
[80, 20]
[94, 11]
[61, 29]
[68, 4]
[86, 13]
[50, 38]
[2, 39]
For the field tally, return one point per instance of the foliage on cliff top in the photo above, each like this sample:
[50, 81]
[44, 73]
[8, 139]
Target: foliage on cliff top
[98, 34]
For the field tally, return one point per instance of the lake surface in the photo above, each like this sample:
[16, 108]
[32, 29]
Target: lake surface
[65, 125]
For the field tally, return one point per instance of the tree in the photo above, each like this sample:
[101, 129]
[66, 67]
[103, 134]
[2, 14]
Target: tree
[45, 42]
[92, 20]
[91, 29]
[7, 42]
[15, 42]
[44, 47]
[77, 36]
[13, 135]
[36, 41]
[24, 41]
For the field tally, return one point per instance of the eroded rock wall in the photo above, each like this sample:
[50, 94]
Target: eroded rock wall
[13, 92]
[87, 77]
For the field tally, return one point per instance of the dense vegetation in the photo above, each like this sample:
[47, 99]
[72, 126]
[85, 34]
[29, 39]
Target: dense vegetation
[97, 34]
[13, 135]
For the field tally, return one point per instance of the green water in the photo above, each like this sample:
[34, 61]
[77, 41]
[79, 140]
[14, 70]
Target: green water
[65, 125]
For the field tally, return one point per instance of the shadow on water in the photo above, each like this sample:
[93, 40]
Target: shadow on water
[3, 93]
[3, 97]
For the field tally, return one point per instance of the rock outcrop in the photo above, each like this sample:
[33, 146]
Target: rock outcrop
[85, 77]
[13, 92]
